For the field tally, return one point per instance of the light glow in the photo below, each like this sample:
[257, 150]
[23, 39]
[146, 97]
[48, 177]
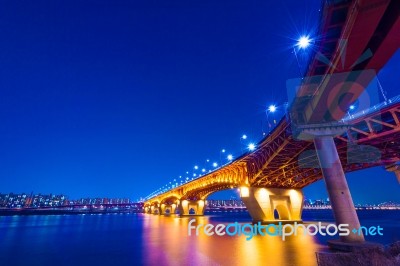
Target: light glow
[272, 108]
[303, 42]
[251, 147]
[244, 192]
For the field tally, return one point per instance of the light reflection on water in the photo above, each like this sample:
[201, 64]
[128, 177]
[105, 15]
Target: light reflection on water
[168, 241]
[143, 239]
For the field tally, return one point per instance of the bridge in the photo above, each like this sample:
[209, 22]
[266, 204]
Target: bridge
[317, 138]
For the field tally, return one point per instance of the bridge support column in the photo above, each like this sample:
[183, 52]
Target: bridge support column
[263, 202]
[336, 184]
[155, 210]
[147, 209]
[394, 168]
[192, 207]
[167, 209]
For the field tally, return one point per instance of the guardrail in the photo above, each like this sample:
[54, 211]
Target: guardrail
[372, 109]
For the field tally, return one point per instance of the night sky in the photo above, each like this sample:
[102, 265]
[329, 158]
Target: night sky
[117, 98]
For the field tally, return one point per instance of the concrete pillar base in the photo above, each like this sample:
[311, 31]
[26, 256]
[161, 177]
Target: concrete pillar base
[192, 207]
[167, 209]
[155, 210]
[262, 203]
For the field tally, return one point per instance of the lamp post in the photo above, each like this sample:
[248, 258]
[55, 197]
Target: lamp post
[242, 138]
[302, 43]
[221, 156]
[273, 109]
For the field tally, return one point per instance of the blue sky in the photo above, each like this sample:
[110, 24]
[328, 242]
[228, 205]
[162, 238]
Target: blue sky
[117, 98]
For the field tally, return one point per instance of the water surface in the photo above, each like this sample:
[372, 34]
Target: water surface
[145, 239]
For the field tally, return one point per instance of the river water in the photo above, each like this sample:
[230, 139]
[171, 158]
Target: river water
[145, 239]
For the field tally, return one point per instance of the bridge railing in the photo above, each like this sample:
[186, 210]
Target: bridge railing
[372, 109]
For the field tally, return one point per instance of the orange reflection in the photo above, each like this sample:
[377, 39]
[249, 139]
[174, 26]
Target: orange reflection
[167, 242]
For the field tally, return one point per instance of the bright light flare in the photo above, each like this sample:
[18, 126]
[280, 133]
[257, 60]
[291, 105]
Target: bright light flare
[303, 42]
[230, 157]
[272, 108]
[251, 147]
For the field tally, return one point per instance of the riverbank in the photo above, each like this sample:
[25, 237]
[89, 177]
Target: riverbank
[389, 256]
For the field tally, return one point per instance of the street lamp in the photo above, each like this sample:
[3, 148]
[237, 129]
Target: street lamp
[220, 156]
[273, 109]
[351, 108]
[243, 137]
[251, 147]
[302, 43]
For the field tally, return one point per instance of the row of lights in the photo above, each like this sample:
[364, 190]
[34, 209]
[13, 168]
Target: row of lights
[174, 183]
[302, 43]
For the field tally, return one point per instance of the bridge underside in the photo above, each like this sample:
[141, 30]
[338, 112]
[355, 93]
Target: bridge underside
[368, 142]
[283, 165]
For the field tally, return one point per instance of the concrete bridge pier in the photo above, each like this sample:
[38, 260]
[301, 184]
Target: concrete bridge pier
[167, 209]
[271, 205]
[147, 209]
[395, 168]
[336, 184]
[192, 207]
[155, 209]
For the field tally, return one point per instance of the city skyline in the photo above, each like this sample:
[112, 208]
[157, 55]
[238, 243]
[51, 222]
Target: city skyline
[37, 200]
[96, 107]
